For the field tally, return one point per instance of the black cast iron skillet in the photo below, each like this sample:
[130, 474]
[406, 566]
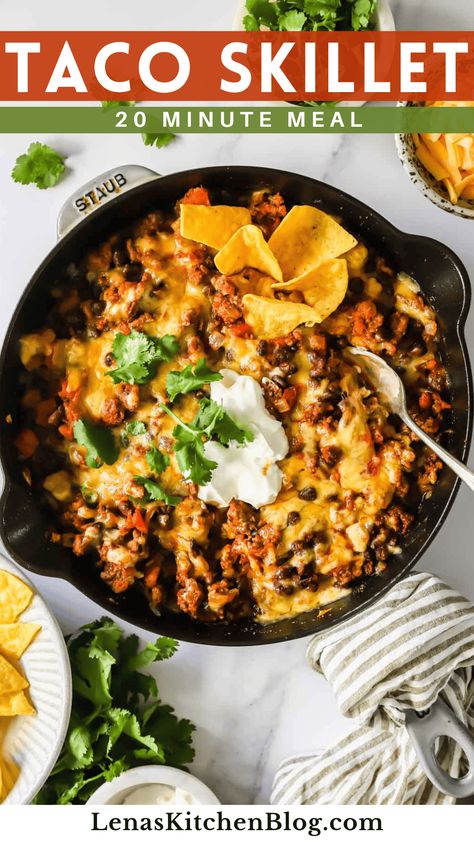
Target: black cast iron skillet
[442, 277]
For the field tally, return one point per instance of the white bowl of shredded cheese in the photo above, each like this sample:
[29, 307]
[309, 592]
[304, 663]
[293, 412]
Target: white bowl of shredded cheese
[154, 785]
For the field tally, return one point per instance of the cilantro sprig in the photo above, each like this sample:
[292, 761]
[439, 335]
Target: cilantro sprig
[210, 422]
[309, 15]
[188, 380]
[135, 428]
[117, 719]
[157, 461]
[116, 103]
[99, 442]
[40, 165]
[158, 139]
[138, 356]
[155, 493]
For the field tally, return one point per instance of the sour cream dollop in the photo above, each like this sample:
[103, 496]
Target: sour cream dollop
[158, 794]
[249, 473]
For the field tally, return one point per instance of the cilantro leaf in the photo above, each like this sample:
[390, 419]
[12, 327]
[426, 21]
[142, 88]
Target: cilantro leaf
[40, 165]
[116, 103]
[215, 422]
[155, 492]
[362, 13]
[309, 15]
[187, 380]
[292, 21]
[117, 721]
[158, 139]
[265, 12]
[210, 421]
[138, 355]
[157, 461]
[98, 441]
[250, 23]
[191, 459]
[135, 428]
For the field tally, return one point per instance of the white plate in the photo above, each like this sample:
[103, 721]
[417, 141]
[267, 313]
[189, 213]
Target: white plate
[35, 741]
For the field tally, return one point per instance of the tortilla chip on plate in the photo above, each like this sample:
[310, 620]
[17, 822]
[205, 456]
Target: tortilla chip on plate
[16, 637]
[307, 238]
[11, 680]
[247, 247]
[9, 773]
[15, 596]
[323, 288]
[212, 225]
[16, 704]
[270, 318]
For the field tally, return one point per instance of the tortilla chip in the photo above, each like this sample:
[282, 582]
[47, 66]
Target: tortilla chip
[323, 288]
[15, 596]
[9, 773]
[16, 704]
[212, 225]
[11, 680]
[247, 247]
[307, 238]
[16, 637]
[270, 318]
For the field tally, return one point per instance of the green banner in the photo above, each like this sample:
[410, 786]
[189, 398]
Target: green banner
[252, 119]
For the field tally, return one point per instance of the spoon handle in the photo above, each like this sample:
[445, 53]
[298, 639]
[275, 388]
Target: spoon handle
[458, 467]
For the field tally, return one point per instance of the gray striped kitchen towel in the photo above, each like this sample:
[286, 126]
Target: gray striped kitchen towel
[414, 644]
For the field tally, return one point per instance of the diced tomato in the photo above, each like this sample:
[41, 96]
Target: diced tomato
[425, 400]
[290, 396]
[67, 431]
[241, 329]
[196, 196]
[139, 521]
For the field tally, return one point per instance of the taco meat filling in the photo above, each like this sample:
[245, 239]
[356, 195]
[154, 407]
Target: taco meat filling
[116, 408]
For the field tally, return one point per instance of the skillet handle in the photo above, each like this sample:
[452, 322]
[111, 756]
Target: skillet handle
[100, 190]
[424, 729]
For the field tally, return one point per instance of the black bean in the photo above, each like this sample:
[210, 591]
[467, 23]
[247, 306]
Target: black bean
[262, 347]
[109, 359]
[315, 374]
[320, 536]
[133, 272]
[97, 307]
[284, 588]
[293, 517]
[297, 547]
[280, 381]
[356, 285]
[381, 553]
[308, 493]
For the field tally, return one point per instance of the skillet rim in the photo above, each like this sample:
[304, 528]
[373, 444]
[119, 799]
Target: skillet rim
[149, 622]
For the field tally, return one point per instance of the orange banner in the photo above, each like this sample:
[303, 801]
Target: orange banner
[203, 66]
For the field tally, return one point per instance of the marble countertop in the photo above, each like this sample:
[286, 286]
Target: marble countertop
[252, 707]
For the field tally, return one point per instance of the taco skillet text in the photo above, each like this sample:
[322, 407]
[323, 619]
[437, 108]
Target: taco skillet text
[193, 420]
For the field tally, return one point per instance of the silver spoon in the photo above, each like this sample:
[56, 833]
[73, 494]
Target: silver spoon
[427, 727]
[391, 390]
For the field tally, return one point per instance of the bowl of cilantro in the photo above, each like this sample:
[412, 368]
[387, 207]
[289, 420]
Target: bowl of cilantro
[314, 16]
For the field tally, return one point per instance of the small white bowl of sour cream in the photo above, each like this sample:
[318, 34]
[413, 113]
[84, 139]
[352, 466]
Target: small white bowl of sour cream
[154, 785]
